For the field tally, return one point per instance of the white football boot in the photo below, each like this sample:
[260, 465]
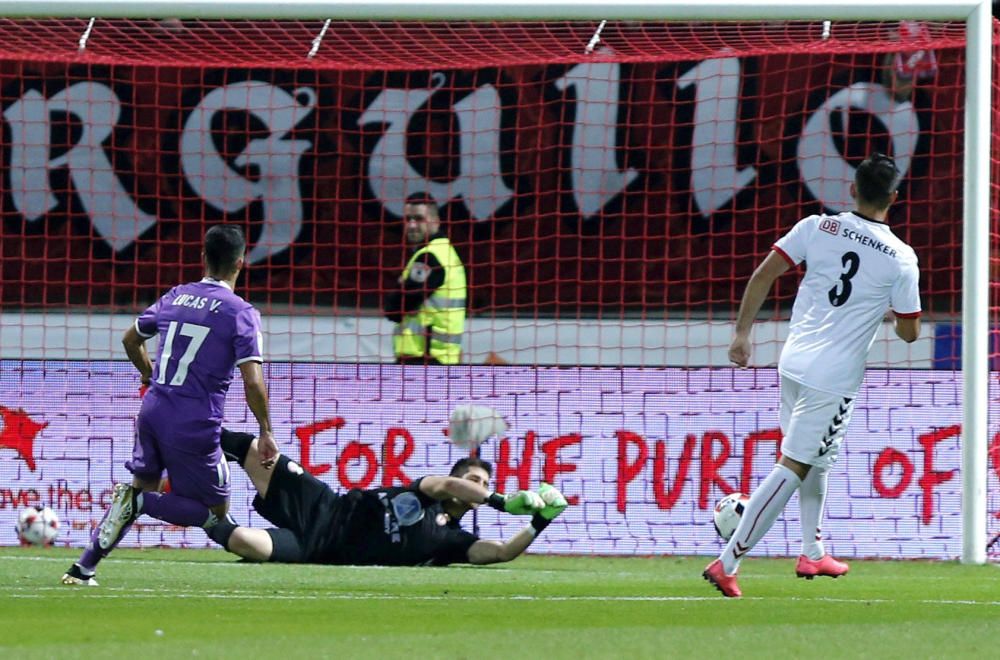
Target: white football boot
[123, 511]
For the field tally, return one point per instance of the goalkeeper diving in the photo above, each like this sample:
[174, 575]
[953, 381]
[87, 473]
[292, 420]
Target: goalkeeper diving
[413, 525]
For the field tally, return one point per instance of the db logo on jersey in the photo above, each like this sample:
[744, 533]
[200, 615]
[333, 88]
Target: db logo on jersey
[830, 226]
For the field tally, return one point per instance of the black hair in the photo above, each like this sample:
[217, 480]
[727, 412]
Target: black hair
[463, 465]
[425, 199]
[876, 179]
[224, 246]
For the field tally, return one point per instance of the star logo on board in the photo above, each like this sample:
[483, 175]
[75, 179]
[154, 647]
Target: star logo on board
[17, 432]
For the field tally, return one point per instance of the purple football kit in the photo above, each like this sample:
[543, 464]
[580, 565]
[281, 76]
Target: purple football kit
[205, 331]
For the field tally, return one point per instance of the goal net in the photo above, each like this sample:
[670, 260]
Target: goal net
[609, 188]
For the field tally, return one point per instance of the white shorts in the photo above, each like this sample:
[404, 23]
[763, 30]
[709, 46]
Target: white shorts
[813, 423]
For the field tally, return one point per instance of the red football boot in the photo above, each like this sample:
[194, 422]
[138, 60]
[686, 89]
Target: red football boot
[826, 565]
[724, 583]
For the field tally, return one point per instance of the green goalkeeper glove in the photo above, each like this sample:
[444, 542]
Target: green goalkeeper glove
[555, 503]
[523, 503]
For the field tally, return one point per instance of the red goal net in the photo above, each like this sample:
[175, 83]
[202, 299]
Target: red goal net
[609, 193]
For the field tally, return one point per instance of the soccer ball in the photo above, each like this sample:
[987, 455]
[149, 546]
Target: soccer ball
[37, 526]
[727, 514]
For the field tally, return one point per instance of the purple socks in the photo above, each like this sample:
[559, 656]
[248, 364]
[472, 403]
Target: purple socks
[174, 509]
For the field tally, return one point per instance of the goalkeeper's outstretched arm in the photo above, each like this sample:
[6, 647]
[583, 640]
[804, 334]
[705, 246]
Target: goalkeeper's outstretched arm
[524, 502]
[493, 552]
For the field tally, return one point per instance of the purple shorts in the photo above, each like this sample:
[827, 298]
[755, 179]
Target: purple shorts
[168, 438]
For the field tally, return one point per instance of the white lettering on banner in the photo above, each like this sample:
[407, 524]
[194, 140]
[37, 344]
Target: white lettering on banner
[824, 171]
[596, 177]
[391, 177]
[112, 211]
[276, 158]
[642, 453]
[715, 177]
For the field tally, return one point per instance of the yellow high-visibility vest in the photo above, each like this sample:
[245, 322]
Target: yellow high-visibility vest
[441, 318]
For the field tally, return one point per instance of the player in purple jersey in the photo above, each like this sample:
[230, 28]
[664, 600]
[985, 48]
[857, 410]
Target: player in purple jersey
[205, 331]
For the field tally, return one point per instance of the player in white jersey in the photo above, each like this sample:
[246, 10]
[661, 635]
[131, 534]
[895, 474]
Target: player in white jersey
[857, 270]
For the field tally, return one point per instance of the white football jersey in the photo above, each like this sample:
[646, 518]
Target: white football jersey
[856, 270]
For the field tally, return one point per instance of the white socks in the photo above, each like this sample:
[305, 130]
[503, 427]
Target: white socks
[812, 497]
[764, 507]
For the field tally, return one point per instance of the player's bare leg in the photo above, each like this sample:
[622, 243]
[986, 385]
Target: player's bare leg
[249, 543]
[242, 448]
[259, 475]
[800, 469]
[252, 544]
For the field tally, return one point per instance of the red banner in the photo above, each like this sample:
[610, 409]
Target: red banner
[566, 188]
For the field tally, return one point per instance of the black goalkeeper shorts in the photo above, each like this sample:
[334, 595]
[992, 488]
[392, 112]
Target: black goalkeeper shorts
[303, 508]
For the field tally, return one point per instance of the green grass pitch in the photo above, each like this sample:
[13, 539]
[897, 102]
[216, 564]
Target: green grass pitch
[187, 603]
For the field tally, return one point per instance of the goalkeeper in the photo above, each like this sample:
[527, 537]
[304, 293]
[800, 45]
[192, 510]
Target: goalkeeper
[413, 525]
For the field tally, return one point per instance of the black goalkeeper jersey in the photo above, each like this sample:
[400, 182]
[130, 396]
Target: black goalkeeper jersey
[397, 526]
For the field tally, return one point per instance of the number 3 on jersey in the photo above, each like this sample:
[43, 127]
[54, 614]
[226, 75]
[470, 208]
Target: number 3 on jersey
[851, 261]
[197, 333]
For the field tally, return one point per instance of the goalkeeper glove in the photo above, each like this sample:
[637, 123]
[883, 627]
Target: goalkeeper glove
[523, 503]
[555, 503]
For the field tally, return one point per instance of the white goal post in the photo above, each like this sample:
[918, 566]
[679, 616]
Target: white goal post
[975, 13]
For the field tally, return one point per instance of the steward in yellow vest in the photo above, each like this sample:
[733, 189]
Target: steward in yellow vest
[429, 307]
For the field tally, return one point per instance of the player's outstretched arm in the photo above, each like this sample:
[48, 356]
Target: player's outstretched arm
[524, 502]
[753, 297]
[256, 394]
[135, 348]
[492, 552]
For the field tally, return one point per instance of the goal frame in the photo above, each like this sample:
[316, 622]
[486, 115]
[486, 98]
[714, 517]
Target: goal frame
[976, 211]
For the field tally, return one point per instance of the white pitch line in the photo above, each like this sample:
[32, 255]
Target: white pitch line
[90, 593]
[491, 570]
[226, 562]
[118, 592]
